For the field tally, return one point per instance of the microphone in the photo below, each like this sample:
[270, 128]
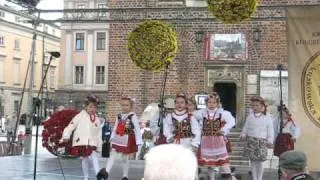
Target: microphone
[55, 54]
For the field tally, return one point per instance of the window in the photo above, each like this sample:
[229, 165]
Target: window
[102, 6]
[100, 74]
[2, 14]
[79, 41]
[17, 44]
[1, 40]
[16, 105]
[16, 73]
[227, 47]
[101, 41]
[79, 74]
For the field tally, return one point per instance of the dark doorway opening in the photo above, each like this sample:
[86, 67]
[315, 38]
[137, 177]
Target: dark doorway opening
[228, 96]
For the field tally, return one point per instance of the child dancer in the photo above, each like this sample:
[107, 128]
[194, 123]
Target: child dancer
[258, 132]
[290, 132]
[216, 123]
[86, 140]
[180, 127]
[125, 138]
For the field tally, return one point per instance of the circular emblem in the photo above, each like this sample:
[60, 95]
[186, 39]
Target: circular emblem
[311, 88]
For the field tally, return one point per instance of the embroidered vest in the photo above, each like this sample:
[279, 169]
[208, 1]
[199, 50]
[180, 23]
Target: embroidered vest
[128, 126]
[182, 129]
[211, 126]
[147, 135]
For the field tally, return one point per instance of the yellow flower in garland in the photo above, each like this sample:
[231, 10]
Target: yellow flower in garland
[152, 45]
[232, 11]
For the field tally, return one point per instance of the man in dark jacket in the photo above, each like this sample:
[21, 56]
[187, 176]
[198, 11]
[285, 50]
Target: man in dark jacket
[293, 166]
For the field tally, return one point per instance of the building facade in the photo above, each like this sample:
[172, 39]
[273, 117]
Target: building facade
[204, 64]
[16, 36]
[84, 56]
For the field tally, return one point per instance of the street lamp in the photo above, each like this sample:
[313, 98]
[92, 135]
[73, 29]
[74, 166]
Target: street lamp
[256, 35]
[199, 37]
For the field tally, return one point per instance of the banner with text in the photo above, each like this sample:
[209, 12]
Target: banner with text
[304, 78]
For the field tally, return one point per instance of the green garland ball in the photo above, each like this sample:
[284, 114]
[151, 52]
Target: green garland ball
[232, 11]
[152, 45]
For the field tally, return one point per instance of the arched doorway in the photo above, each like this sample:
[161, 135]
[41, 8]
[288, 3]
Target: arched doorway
[228, 95]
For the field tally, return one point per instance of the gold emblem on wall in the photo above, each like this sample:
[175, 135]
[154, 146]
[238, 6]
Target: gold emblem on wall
[311, 88]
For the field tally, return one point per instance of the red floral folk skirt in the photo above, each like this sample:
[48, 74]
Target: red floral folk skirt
[213, 151]
[82, 151]
[130, 148]
[283, 143]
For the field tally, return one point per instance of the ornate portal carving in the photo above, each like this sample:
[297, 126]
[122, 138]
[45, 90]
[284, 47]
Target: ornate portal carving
[233, 75]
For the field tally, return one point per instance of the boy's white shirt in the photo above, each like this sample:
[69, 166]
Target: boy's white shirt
[84, 131]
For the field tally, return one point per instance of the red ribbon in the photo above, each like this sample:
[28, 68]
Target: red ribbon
[121, 128]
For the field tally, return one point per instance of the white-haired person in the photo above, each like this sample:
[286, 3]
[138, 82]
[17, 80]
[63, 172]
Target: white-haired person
[216, 123]
[170, 162]
[125, 138]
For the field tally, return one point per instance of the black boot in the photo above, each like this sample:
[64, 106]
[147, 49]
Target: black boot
[124, 178]
[102, 175]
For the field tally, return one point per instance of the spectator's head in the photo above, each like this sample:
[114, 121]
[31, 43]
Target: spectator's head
[170, 162]
[292, 163]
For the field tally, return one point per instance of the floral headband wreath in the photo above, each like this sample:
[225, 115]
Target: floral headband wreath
[130, 99]
[214, 96]
[182, 95]
[91, 99]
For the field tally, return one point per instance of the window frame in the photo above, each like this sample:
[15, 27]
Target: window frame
[105, 41]
[101, 75]
[84, 41]
[75, 75]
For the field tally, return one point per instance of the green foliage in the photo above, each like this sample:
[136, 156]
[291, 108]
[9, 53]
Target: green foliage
[232, 11]
[152, 45]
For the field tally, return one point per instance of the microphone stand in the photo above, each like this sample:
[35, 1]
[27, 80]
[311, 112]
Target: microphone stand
[36, 116]
[161, 105]
[280, 69]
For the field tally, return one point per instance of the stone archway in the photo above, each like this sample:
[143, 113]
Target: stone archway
[226, 74]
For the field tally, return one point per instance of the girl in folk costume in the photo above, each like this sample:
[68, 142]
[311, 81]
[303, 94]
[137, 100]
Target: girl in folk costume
[290, 132]
[258, 132]
[180, 127]
[125, 138]
[192, 107]
[86, 140]
[216, 123]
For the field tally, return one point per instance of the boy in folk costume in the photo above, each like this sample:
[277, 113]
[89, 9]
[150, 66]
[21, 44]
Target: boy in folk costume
[125, 138]
[290, 132]
[216, 123]
[259, 133]
[85, 128]
[180, 127]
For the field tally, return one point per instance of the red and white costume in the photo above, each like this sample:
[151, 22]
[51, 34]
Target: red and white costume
[182, 128]
[125, 139]
[216, 124]
[86, 140]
